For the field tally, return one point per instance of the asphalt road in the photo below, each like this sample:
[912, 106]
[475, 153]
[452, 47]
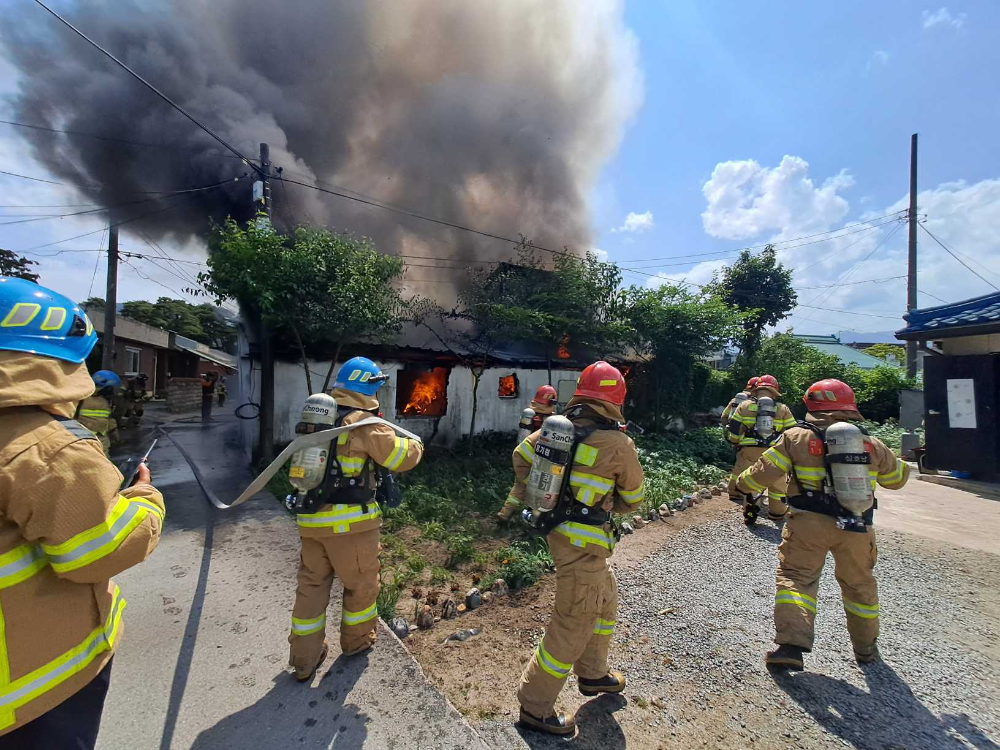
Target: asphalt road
[203, 660]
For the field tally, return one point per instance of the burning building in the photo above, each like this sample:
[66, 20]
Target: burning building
[429, 388]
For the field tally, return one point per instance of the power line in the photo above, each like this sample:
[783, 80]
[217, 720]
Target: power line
[148, 85]
[967, 266]
[928, 294]
[96, 264]
[26, 177]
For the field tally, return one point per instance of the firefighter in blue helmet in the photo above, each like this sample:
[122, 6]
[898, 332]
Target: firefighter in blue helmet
[94, 412]
[341, 539]
[66, 527]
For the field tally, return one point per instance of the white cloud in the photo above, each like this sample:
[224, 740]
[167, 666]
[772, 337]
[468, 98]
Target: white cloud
[880, 56]
[602, 255]
[636, 223]
[746, 200]
[943, 16]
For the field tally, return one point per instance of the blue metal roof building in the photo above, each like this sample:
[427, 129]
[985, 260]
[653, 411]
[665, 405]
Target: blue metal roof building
[971, 317]
[847, 355]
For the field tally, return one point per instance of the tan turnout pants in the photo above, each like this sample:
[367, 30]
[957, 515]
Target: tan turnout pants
[353, 558]
[776, 493]
[579, 631]
[805, 540]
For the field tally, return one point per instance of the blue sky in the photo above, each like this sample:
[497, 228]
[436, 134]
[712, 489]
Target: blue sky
[758, 122]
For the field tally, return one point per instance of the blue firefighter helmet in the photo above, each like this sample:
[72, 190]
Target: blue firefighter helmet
[106, 379]
[37, 320]
[360, 375]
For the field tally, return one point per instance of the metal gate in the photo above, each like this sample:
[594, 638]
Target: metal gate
[960, 396]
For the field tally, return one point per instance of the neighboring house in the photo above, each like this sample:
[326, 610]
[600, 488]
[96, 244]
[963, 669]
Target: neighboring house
[861, 341]
[160, 355]
[721, 360]
[832, 345]
[962, 384]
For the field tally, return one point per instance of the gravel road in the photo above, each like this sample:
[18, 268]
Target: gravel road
[696, 675]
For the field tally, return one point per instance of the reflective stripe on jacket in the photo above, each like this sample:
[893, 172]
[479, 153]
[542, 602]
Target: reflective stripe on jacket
[744, 418]
[95, 414]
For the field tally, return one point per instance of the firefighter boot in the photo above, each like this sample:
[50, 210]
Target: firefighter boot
[612, 682]
[867, 657]
[304, 674]
[785, 657]
[559, 724]
[750, 511]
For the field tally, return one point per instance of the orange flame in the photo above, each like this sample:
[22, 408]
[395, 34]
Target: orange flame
[562, 352]
[427, 396]
[508, 387]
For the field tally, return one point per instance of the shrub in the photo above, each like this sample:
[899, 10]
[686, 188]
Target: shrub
[521, 564]
[388, 597]
[460, 549]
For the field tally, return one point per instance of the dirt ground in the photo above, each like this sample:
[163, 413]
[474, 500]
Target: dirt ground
[695, 620]
[480, 676]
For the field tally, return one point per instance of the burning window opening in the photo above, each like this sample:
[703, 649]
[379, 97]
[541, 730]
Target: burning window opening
[563, 351]
[422, 393]
[508, 387]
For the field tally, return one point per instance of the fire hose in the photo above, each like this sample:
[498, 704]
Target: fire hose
[302, 441]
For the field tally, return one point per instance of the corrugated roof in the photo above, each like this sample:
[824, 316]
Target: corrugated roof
[831, 345]
[969, 317]
[212, 355]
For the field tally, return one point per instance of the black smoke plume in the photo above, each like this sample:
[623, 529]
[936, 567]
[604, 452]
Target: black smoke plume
[492, 114]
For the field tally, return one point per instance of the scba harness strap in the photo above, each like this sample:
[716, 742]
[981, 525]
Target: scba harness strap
[826, 503]
[568, 508]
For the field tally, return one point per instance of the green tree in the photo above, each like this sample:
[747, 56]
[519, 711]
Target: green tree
[796, 365]
[761, 288]
[97, 303]
[17, 266]
[319, 287]
[877, 390]
[892, 354]
[673, 328]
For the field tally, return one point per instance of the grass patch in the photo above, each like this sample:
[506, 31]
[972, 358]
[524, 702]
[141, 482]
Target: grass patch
[440, 576]
[520, 564]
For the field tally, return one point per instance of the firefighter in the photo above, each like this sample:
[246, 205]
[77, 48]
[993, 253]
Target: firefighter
[747, 432]
[605, 476]
[65, 528]
[136, 396]
[817, 494]
[342, 539]
[221, 391]
[543, 404]
[95, 411]
[208, 380]
[736, 400]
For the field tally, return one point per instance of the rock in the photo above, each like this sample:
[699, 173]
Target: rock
[654, 515]
[665, 510]
[500, 588]
[462, 635]
[637, 522]
[716, 491]
[400, 627]
[487, 597]
[473, 599]
[692, 499]
[425, 620]
[461, 608]
[682, 503]
[705, 494]
[448, 609]
[627, 528]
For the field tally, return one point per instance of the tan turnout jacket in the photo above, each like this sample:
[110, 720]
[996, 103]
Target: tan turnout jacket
[740, 431]
[64, 531]
[605, 474]
[377, 442]
[798, 453]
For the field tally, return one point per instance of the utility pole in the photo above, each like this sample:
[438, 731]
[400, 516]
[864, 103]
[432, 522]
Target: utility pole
[266, 352]
[110, 301]
[911, 270]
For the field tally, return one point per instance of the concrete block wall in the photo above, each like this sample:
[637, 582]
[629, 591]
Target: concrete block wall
[183, 394]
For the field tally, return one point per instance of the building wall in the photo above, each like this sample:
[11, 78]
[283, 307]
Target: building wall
[985, 344]
[493, 413]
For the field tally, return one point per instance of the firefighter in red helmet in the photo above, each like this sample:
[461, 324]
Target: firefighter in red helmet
[736, 401]
[603, 476]
[831, 466]
[541, 406]
[753, 426]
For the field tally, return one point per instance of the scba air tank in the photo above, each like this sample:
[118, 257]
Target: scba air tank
[764, 426]
[308, 466]
[849, 463]
[551, 464]
[525, 429]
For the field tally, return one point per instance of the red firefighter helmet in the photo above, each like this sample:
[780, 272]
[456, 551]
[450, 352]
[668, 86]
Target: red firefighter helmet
[767, 381]
[830, 395]
[546, 395]
[603, 382]
[751, 383]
